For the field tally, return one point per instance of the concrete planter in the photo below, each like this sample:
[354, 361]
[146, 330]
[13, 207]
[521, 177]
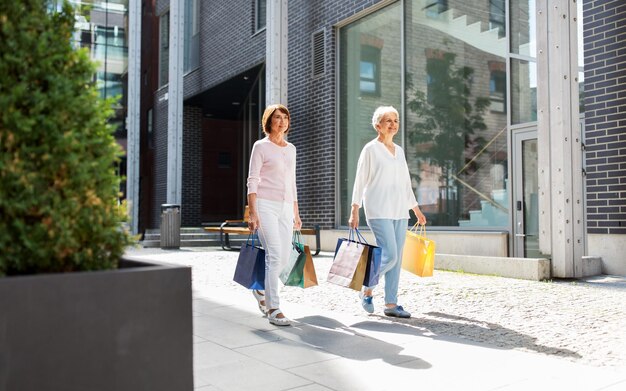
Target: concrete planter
[125, 329]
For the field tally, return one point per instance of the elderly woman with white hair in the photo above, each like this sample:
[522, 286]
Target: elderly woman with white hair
[383, 186]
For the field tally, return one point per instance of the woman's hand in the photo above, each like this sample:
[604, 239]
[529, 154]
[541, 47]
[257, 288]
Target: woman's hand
[420, 216]
[353, 221]
[297, 223]
[253, 222]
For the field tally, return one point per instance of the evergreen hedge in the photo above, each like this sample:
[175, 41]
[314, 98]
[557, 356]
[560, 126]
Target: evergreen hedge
[59, 209]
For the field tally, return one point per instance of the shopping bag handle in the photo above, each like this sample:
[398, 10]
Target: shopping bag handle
[352, 236]
[418, 229]
[297, 236]
[252, 235]
[360, 236]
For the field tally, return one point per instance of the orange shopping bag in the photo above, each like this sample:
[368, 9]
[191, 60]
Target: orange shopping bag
[418, 256]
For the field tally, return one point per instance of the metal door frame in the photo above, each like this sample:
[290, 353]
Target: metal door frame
[518, 136]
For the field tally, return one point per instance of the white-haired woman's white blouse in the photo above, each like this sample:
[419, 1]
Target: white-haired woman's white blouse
[383, 184]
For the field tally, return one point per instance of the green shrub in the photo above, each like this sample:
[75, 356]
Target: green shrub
[58, 189]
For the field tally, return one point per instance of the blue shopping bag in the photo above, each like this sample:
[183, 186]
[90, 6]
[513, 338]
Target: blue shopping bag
[250, 269]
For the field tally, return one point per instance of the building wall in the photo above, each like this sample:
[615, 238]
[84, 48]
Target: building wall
[312, 102]
[605, 130]
[160, 155]
[192, 167]
[229, 44]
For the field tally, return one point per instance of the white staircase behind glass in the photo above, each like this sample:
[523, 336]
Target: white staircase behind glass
[490, 215]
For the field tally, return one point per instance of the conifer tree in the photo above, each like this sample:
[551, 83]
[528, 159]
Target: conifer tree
[59, 209]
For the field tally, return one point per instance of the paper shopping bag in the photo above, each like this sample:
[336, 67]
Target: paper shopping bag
[290, 275]
[345, 263]
[250, 269]
[310, 277]
[374, 258]
[418, 256]
[372, 273]
[300, 270]
[359, 273]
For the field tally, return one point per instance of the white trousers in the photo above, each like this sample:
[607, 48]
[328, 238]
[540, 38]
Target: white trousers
[275, 232]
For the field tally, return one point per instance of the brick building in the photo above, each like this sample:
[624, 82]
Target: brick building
[513, 114]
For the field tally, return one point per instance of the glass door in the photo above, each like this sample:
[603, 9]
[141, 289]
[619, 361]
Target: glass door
[525, 197]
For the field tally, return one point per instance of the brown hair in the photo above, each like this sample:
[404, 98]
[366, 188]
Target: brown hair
[266, 121]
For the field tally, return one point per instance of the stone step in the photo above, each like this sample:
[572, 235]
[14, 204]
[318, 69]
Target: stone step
[190, 237]
[183, 243]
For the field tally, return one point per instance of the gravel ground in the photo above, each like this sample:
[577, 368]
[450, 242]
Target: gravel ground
[579, 320]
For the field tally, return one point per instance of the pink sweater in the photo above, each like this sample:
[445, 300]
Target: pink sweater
[272, 174]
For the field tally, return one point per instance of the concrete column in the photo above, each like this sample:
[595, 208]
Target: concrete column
[175, 104]
[561, 227]
[276, 52]
[134, 114]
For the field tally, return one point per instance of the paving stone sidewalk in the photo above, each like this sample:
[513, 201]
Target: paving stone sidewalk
[578, 320]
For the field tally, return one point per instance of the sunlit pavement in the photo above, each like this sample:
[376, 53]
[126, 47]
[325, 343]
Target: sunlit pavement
[333, 345]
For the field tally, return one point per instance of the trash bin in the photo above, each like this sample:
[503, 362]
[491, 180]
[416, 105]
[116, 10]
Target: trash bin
[170, 226]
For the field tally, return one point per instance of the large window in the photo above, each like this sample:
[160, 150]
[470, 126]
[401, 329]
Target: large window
[101, 29]
[454, 129]
[260, 14]
[164, 48]
[369, 70]
[371, 75]
[497, 18]
[523, 91]
[455, 113]
[192, 35]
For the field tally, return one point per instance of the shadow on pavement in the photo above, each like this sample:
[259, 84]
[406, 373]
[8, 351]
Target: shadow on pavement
[472, 330]
[339, 339]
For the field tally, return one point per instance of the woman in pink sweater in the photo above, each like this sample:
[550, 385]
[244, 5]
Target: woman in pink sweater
[273, 204]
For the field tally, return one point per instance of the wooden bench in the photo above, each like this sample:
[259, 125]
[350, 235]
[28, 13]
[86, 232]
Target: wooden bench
[240, 227]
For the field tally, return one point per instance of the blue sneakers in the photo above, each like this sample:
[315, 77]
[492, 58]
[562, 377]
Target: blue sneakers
[366, 302]
[397, 312]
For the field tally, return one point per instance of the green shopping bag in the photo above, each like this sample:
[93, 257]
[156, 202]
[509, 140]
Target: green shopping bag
[299, 270]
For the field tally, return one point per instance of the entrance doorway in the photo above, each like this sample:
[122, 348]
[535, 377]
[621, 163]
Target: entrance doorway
[231, 114]
[525, 195]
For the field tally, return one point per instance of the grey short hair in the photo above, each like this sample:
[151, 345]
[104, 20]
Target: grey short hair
[380, 112]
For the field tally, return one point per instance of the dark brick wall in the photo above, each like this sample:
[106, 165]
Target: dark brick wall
[160, 155]
[228, 43]
[605, 115]
[312, 103]
[192, 167]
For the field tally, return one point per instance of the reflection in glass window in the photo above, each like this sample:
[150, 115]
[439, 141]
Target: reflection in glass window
[455, 117]
[370, 76]
[261, 14]
[192, 35]
[100, 28]
[164, 51]
[523, 27]
[370, 69]
[523, 91]
[435, 7]
[497, 16]
[497, 86]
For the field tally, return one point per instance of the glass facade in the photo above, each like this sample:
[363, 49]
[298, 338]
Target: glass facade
[444, 66]
[261, 14]
[370, 75]
[192, 35]
[101, 27]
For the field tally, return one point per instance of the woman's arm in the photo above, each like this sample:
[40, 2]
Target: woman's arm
[297, 223]
[420, 216]
[353, 221]
[360, 183]
[253, 217]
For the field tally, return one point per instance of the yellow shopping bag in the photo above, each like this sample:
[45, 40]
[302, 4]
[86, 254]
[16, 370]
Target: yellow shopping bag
[418, 256]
